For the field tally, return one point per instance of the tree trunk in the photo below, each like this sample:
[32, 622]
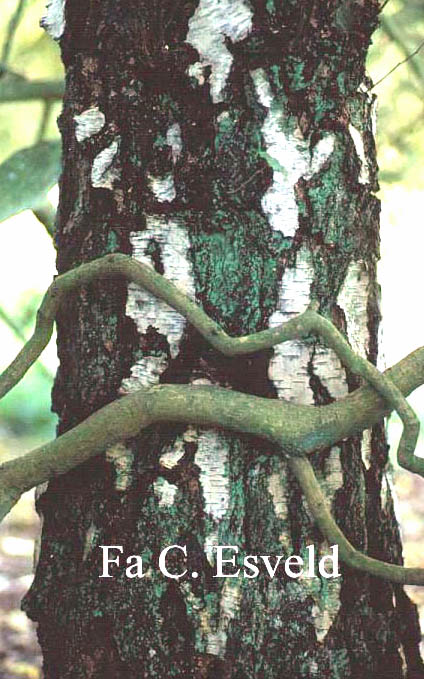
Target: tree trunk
[229, 144]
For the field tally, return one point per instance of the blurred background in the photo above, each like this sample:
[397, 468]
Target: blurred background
[30, 89]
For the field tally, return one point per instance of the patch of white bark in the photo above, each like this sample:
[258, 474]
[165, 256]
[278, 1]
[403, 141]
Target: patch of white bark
[289, 155]
[163, 188]
[174, 140]
[288, 366]
[172, 455]
[228, 609]
[148, 311]
[212, 457]
[88, 123]
[103, 172]
[353, 299]
[165, 492]
[53, 21]
[122, 459]
[364, 174]
[213, 22]
[91, 540]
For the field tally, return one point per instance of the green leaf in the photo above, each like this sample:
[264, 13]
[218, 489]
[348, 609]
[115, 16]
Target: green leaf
[27, 176]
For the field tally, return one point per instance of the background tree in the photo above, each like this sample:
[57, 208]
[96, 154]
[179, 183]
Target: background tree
[244, 172]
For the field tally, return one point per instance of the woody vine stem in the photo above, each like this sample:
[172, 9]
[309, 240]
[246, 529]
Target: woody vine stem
[298, 430]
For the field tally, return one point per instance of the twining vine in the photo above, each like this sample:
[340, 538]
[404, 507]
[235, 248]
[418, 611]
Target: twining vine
[298, 430]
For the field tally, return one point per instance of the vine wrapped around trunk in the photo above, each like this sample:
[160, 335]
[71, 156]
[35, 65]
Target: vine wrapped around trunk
[291, 431]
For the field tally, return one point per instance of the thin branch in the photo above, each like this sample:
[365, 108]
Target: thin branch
[317, 503]
[15, 88]
[404, 61]
[391, 33]
[14, 327]
[44, 120]
[281, 422]
[301, 326]
[383, 5]
[383, 386]
[297, 429]
[11, 30]
[46, 214]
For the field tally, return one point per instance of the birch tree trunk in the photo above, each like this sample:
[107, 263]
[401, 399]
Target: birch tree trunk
[228, 143]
